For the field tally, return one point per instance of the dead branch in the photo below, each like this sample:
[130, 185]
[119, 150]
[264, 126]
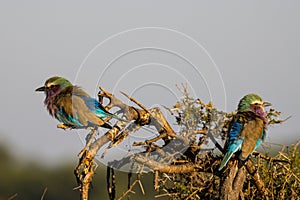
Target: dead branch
[182, 155]
[157, 166]
[232, 182]
[86, 166]
[111, 183]
[259, 183]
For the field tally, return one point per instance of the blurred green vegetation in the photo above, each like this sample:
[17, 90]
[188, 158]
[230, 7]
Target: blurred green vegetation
[28, 180]
[22, 180]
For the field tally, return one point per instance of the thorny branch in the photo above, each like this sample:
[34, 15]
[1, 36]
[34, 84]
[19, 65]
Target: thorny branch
[86, 167]
[174, 156]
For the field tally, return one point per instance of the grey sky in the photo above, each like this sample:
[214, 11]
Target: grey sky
[255, 46]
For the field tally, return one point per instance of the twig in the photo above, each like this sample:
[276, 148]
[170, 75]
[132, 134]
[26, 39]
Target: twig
[110, 183]
[267, 158]
[135, 101]
[292, 173]
[142, 188]
[156, 177]
[13, 196]
[44, 193]
[279, 121]
[157, 166]
[129, 190]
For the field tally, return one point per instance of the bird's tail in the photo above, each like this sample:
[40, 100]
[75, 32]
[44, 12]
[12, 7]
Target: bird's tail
[225, 160]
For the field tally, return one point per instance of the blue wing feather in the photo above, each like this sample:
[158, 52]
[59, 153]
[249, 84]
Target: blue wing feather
[96, 107]
[233, 143]
[234, 147]
[235, 131]
[65, 118]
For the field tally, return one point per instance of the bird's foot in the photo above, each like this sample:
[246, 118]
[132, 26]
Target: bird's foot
[63, 126]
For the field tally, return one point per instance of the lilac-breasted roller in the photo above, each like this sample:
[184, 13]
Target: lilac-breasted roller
[72, 106]
[247, 128]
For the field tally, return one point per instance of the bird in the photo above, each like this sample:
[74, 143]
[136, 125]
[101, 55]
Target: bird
[247, 129]
[72, 106]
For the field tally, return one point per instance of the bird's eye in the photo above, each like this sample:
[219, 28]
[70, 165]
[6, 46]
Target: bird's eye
[52, 87]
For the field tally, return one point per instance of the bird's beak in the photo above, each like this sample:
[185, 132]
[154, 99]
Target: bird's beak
[40, 89]
[266, 104]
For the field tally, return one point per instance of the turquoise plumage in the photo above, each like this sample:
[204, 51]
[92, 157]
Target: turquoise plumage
[247, 129]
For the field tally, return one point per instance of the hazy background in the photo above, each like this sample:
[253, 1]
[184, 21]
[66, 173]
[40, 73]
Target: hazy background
[224, 50]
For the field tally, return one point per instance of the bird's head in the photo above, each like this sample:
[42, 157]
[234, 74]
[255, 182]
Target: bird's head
[254, 103]
[54, 85]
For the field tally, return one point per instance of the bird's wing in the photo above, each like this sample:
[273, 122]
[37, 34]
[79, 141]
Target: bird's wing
[234, 141]
[234, 131]
[96, 107]
[74, 110]
[253, 133]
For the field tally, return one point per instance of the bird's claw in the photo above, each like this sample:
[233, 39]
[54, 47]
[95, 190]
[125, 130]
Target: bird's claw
[63, 126]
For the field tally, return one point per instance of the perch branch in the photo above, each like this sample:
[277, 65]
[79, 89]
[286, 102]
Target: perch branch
[86, 167]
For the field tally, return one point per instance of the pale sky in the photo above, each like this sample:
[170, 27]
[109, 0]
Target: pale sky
[224, 50]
